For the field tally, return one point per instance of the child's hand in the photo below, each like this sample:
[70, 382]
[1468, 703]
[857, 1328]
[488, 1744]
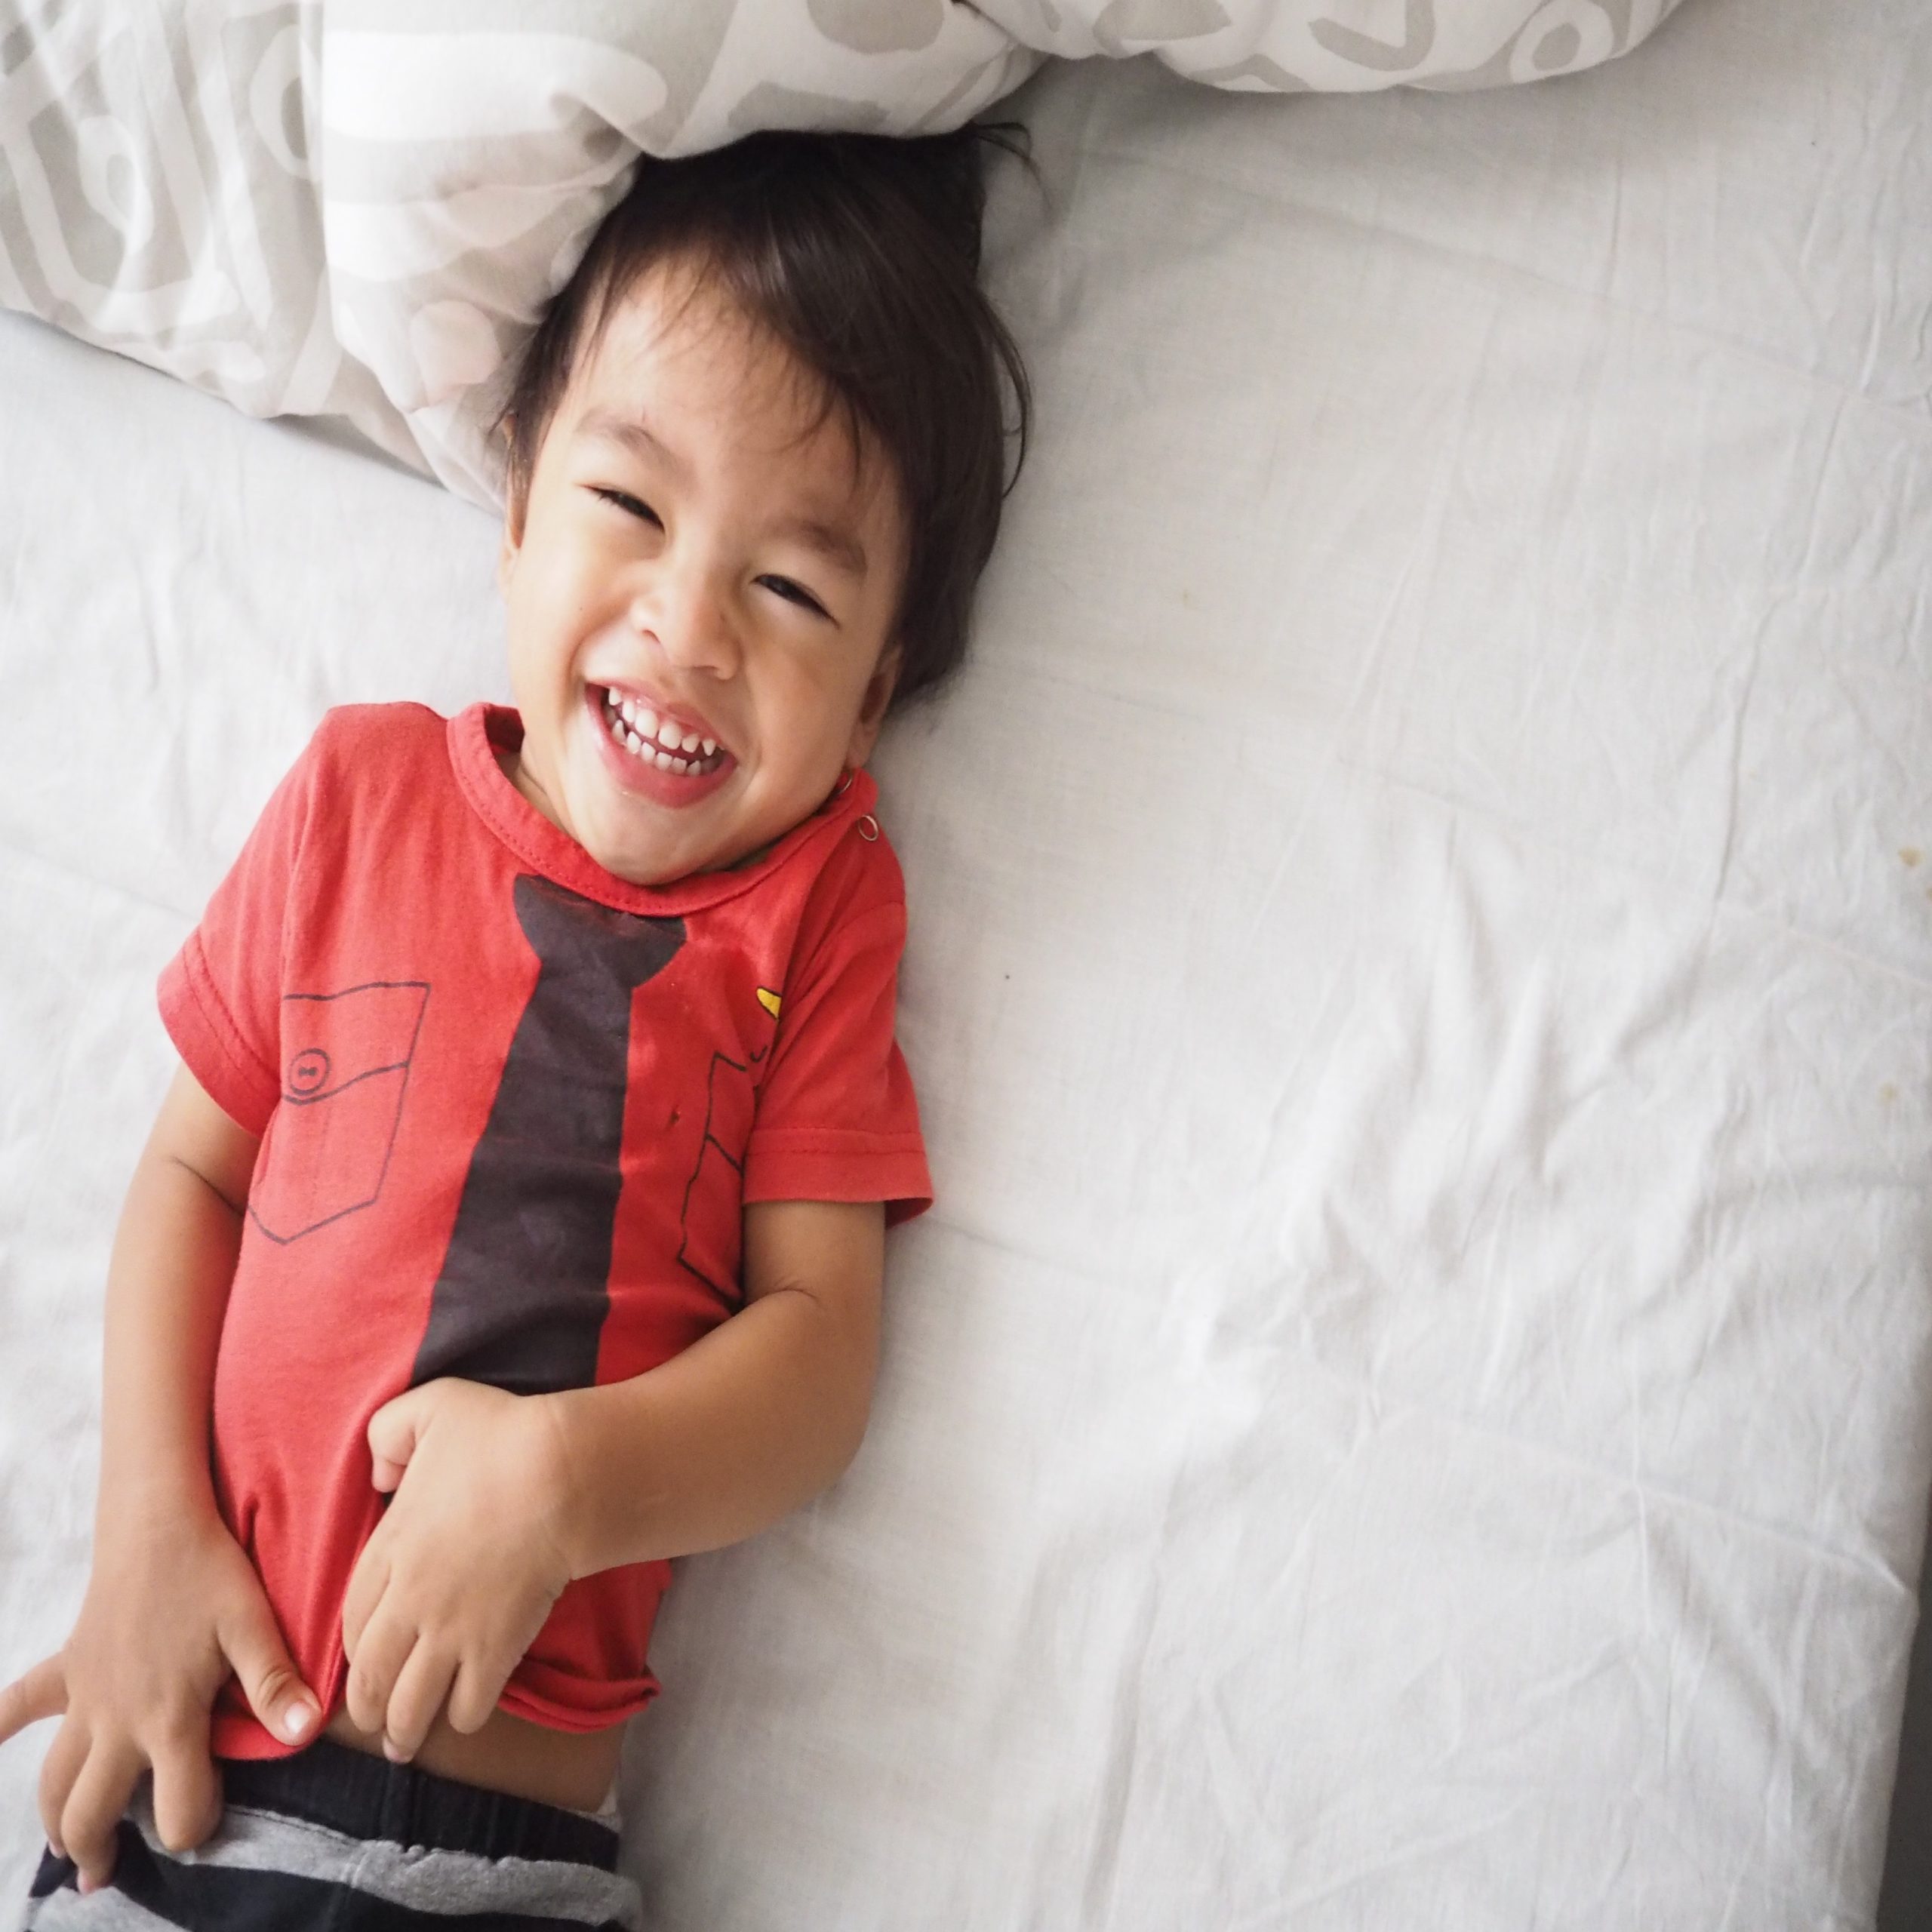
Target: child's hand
[172, 1607]
[456, 1582]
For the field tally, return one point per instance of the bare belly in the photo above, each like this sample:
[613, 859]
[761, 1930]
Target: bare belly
[573, 1769]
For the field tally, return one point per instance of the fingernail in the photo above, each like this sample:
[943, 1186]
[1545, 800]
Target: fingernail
[83, 1883]
[395, 1756]
[296, 1720]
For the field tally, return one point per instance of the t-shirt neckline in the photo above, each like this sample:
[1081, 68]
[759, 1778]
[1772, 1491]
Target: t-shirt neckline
[478, 734]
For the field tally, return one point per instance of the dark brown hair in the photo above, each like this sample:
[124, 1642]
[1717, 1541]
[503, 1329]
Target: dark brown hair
[860, 253]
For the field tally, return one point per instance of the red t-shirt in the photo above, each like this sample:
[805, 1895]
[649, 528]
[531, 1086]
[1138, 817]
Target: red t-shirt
[512, 1107]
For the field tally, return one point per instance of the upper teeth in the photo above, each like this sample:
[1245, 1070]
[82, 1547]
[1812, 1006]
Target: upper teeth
[655, 739]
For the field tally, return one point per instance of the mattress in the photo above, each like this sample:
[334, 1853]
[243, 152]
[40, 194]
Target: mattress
[1410, 1413]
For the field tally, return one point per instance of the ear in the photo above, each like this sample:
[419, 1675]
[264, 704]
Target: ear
[514, 505]
[512, 543]
[873, 706]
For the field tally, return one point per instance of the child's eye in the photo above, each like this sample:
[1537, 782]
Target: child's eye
[630, 505]
[794, 593]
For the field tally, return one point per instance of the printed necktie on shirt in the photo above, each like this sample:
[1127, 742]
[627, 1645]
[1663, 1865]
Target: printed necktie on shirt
[521, 1301]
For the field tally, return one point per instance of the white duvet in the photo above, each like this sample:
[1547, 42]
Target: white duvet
[1411, 1413]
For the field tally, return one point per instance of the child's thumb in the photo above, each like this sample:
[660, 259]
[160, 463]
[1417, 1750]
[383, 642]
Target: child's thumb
[267, 1675]
[393, 1429]
[42, 1693]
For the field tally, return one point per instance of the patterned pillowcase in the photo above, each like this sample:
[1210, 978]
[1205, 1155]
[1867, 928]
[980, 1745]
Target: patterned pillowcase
[358, 208]
[1340, 46]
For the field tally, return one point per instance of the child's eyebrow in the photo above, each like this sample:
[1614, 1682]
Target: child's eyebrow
[633, 435]
[839, 547]
[836, 544]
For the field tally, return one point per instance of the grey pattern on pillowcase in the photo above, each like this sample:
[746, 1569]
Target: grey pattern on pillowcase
[358, 208]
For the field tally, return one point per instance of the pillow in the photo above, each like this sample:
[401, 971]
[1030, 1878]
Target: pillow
[1340, 46]
[358, 208]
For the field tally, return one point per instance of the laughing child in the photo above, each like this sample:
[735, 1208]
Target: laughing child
[515, 1221]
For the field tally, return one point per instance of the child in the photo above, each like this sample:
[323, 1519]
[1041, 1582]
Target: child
[539, 1116]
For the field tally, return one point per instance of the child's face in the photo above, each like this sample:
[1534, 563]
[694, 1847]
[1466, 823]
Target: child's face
[701, 566]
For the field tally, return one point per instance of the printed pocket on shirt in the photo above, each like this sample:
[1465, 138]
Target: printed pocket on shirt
[345, 1066]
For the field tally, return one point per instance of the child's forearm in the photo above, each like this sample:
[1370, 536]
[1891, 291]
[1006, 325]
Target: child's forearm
[721, 1441]
[168, 1284]
[173, 1605]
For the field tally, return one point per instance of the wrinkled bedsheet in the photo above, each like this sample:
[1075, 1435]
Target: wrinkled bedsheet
[1411, 1413]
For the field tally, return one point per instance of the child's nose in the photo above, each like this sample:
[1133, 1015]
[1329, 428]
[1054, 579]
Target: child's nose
[691, 624]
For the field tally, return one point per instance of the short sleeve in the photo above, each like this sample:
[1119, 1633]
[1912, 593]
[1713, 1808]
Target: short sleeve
[837, 1118]
[220, 996]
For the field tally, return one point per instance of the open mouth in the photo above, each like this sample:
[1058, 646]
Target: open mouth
[659, 742]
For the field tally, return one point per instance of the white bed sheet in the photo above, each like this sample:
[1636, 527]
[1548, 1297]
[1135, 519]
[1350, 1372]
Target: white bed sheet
[1411, 1413]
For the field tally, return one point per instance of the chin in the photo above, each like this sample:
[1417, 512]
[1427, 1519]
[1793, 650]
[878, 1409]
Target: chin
[636, 867]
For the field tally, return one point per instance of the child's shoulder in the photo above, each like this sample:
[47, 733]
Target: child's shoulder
[358, 748]
[858, 878]
[362, 730]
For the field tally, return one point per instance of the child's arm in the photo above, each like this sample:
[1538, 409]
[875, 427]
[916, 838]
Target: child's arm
[502, 1499]
[750, 1422]
[172, 1602]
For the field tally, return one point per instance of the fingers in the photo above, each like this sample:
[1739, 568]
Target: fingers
[58, 1771]
[41, 1692]
[269, 1681]
[473, 1696]
[187, 1788]
[421, 1686]
[94, 1809]
[367, 1582]
[374, 1665]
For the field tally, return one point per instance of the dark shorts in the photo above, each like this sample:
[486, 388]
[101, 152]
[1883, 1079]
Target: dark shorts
[332, 1838]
